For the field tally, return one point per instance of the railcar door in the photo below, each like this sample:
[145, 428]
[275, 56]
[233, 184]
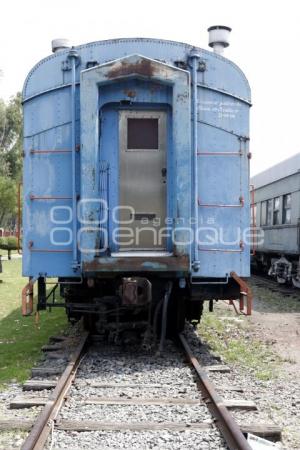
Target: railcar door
[143, 179]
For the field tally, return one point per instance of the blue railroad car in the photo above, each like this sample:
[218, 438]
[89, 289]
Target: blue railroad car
[136, 180]
[276, 214]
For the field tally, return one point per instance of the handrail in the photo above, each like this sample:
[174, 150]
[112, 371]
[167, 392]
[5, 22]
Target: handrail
[252, 204]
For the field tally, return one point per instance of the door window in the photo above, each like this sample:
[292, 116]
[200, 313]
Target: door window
[142, 134]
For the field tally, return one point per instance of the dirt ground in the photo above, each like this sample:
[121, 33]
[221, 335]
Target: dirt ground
[276, 320]
[263, 351]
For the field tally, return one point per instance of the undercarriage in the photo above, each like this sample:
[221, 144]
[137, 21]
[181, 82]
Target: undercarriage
[117, 309]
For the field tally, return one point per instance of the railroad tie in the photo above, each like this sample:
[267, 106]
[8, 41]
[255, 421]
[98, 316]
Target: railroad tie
[269, 431]
[38, 385]
[29, 402]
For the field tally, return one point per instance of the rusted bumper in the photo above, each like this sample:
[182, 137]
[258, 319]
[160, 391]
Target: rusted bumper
[245, 294]
[179, 264]
[27, 299]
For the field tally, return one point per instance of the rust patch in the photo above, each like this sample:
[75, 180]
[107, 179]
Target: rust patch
[138, 264]
[143, 67]
[130, 94]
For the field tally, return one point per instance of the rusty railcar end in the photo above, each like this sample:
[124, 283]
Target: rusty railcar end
[138, 264]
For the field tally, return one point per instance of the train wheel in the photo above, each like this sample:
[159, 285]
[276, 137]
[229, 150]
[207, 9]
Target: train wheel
[296, 282]
[280, 280]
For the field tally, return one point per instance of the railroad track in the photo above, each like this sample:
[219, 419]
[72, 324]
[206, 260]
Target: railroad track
[127, 393]
[269, 283]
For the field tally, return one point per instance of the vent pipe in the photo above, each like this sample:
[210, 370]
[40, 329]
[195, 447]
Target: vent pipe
[60, 44]
[218, 38]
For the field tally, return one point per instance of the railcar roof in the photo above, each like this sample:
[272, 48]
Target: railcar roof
[281, 170]
[47, 73]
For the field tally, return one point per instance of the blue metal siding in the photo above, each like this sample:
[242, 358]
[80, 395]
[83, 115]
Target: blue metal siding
[47, 127]
[223, 179]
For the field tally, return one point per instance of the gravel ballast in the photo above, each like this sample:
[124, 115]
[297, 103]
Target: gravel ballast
[131, 374]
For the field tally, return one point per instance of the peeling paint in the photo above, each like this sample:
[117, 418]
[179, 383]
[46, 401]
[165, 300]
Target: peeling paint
[130, 93]
[138, 264]
[143, 67]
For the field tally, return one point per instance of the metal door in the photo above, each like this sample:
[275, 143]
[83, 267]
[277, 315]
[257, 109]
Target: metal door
[143, 179]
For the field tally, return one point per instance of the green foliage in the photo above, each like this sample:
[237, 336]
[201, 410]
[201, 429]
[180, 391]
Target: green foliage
[11, 137]
[12, 242]
[21, 338]
[9, 243]
[8, 200]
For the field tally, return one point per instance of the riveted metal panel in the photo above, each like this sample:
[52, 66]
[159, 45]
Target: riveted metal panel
[223, 165]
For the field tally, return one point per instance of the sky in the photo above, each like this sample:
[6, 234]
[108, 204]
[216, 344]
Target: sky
[264, 43]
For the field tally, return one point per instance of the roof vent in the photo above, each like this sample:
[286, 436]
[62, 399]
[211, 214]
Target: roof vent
[60, 44]
[218, 38]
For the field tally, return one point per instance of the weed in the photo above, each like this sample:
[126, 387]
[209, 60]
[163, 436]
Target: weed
[231, 341]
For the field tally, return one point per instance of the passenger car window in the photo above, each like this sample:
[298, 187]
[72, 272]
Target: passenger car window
[286, 210]
[253, 210]
[263, 214]
[269, 212]
[276, 208]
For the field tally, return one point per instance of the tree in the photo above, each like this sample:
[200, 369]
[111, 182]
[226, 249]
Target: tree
[11, 138]
[10, 158]
[8, 201]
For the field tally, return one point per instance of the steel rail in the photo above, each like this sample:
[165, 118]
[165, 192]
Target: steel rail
[43, 425]
[223, 419]
[270, 283]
